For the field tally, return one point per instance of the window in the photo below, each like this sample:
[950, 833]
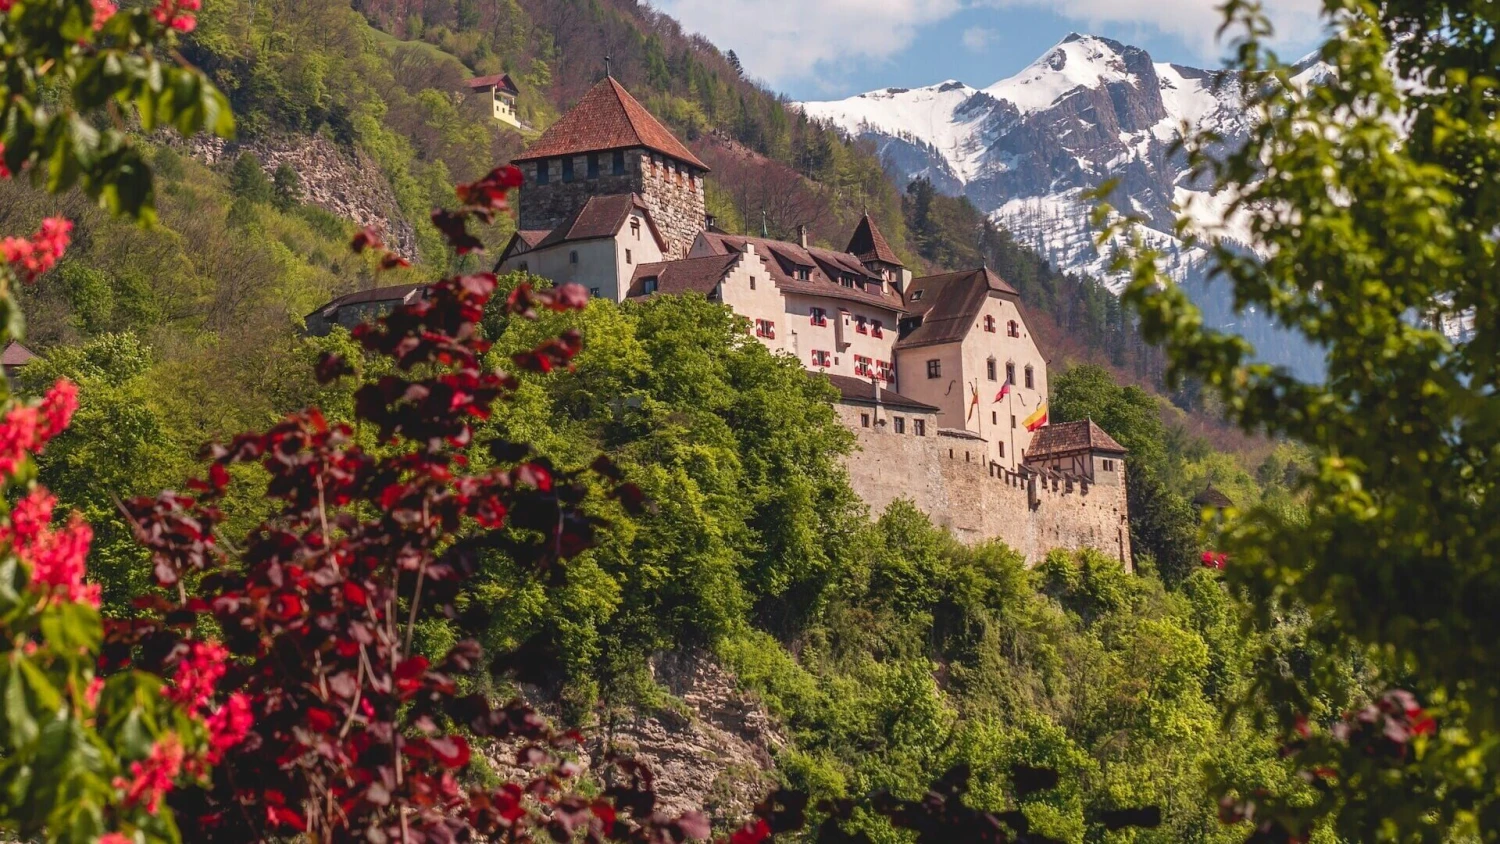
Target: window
[752, 282]
[994, 417]
[989, 324]
[635, 228]
[1013, 328]
[919, 427]
[899, 424]
[619, 162]
[860, 325]
[817, 316]
[864, 420]
[1002, 450]
[917, 295]
[567, 169]
[1010, 374]
[649, 285]
[804, 274]
[543, 172]
[525, 267]
[765, 328]
[846, 280]
[861, 365]
[1030, 378]
[876, 329]
[820, 358]
[573, 257]
[882, 370]
[989, 368]
[593, 166]
[934, 369]
[629, 259]
[1013, 421]
[594, 291]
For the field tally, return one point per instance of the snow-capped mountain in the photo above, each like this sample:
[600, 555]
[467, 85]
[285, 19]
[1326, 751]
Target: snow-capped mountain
[1027, 150]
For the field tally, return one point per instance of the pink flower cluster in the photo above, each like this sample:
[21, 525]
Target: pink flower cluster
[4, 171]
[56, 557]
[197, 672]
[103, 11]
[40, 253]
[178, 14]
[151, 779]
[228, 726]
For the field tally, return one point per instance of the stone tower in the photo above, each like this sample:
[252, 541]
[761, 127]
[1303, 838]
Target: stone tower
[609, 144]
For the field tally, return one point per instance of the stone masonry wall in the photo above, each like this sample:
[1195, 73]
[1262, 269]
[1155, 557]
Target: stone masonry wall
[674, 195]
[950, 479]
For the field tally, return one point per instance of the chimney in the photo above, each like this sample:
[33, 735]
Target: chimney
[802, 236]
[876, 383]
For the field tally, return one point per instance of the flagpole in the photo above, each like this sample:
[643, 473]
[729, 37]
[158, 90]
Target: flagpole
[1010, 398]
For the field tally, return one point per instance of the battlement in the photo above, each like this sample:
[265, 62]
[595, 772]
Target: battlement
[949, 477]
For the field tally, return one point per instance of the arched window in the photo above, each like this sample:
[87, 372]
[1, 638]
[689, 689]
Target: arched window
[1030, 378]
[1010, 374]
[989, 368]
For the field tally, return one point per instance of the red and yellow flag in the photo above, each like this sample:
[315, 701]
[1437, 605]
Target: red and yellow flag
[1038, 419]
[973, 400]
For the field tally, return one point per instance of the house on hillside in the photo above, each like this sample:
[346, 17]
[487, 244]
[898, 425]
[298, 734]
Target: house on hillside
[502, 93]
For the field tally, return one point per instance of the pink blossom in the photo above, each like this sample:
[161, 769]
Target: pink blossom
[151, 779]
[57, 409]
[17, 437]
[4, 171]
[177, 14]
[197, 672]
[57, 561]
[103, 11]
[31, 258]
[91, 694]
[228, 726]
[115, 838]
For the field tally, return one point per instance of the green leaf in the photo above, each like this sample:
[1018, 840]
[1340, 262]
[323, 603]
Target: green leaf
[20, 724]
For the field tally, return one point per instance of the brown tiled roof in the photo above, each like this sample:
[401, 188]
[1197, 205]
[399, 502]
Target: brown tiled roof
[861, 391]
[16, 355]
[699, 275]
[608, 118]
[397, 294]
[948, 304]
[784, 259]
[600, 216]
[868, 244]
[498, 80]
[1211, 497]
[1069, 437]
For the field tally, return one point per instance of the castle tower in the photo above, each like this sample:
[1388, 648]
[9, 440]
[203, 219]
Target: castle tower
[608, 144]
[875, 252]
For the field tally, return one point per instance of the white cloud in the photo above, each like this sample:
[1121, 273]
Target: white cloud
[821, 41]
[1195, 22]
[977, 38]
[779, 40]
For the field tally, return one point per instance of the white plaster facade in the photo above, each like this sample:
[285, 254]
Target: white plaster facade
[603, 265]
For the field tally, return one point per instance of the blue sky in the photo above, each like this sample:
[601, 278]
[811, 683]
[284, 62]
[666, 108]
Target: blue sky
[830, 49]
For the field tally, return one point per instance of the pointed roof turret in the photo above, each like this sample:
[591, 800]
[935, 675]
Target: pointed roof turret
[608, 118]
[869, 245]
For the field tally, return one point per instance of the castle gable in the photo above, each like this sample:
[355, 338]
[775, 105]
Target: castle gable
[944, 307]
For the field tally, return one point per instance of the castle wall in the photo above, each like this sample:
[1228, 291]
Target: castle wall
[951, 480]
[674, 193]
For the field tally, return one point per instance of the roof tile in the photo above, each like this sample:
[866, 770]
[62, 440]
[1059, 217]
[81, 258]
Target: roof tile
[1069, 437]
[608, 118]
[948, 304]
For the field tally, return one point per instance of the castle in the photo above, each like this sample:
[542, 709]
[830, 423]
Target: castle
[939, 376]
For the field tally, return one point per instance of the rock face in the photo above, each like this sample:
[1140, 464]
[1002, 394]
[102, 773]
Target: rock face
[713, 753]
[343, 182]
[1028, 150]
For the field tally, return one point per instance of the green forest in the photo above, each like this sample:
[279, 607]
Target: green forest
[1274, 698]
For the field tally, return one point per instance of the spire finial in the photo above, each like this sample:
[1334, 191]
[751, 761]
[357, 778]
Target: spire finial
[608, 71]
[764, 232]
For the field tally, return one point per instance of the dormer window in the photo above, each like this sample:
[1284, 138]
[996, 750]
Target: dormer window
[917, 295]
[1013, 328]
[804, 274]
[649, 285]
[989, 324]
